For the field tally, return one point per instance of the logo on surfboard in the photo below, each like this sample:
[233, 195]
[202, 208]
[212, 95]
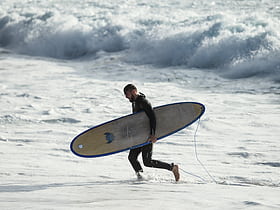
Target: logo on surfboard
[109, 137]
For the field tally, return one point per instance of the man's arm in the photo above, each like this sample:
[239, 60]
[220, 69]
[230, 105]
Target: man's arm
[152, 117]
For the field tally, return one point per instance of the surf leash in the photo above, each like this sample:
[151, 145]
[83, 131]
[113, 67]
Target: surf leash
[193, 175]
[196, 153]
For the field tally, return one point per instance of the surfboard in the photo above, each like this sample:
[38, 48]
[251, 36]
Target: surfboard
[133, 130]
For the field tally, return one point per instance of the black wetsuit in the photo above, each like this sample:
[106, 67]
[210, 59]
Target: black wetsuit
[142, 104]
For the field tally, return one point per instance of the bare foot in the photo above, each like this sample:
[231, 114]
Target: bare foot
[175, 171]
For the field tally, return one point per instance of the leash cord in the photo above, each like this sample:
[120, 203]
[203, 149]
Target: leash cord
[193, 175]
[196, 154]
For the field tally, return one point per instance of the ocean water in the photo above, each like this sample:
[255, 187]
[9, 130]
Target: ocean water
[63, 65]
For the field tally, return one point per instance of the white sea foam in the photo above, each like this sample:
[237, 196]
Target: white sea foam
[234, 41]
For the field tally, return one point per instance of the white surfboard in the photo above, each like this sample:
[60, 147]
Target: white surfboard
[133, 130]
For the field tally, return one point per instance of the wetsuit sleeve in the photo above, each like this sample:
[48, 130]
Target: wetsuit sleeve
[147, 107]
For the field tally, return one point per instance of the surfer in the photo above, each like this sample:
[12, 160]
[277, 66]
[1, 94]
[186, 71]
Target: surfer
[140, 103]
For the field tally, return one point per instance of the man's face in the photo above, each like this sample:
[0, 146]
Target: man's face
[129, 96]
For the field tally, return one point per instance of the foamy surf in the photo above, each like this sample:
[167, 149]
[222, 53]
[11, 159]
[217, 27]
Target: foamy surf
[233, 45]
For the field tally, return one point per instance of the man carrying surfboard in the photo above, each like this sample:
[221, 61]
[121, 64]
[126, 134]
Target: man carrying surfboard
[140, 103]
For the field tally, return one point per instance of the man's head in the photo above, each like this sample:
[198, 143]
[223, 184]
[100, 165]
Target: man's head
[130, 92]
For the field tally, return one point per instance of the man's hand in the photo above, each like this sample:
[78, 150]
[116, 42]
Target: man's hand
[152, 139]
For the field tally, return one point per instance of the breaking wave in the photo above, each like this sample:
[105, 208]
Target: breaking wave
[241, 49]
[53, 35]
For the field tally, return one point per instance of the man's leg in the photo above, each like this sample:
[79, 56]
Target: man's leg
[132, 157]
[147, 152]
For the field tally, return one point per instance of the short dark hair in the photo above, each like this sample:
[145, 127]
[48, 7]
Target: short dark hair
[129, 87]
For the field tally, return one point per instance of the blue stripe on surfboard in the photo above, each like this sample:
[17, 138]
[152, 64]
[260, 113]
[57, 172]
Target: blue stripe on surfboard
[139, 145]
